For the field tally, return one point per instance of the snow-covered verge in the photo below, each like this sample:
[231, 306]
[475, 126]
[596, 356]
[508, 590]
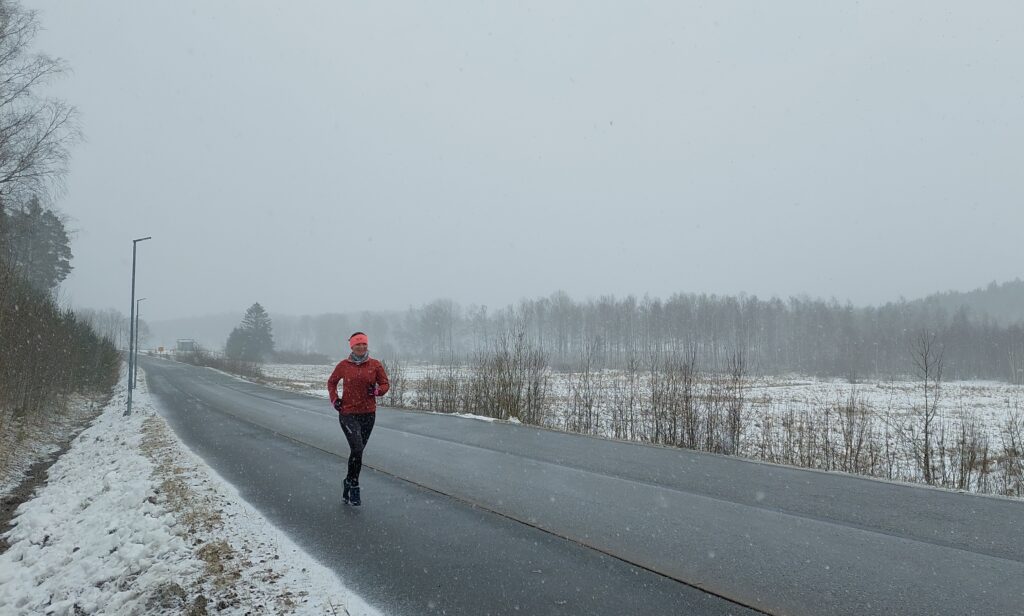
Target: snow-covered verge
[131, 522]
[29, 442]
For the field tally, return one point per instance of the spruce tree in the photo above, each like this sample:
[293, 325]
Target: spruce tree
[36, 244]
[253, 339]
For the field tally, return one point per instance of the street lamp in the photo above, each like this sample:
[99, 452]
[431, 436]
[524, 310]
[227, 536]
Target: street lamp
[135, 378]
[131, 326]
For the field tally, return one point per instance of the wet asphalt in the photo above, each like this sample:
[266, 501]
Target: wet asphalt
[463, 516]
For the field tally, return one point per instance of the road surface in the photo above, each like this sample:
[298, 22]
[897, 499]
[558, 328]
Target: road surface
[463, 516]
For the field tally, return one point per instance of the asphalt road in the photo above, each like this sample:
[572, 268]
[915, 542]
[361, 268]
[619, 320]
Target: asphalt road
[462, 516]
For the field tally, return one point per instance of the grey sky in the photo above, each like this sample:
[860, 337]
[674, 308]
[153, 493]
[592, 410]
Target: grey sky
[337, 156]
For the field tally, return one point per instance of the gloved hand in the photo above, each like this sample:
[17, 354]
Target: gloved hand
[337, 404]
[373, 390]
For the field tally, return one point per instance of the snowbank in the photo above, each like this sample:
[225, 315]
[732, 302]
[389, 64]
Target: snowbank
[131, 522]
[26, 443]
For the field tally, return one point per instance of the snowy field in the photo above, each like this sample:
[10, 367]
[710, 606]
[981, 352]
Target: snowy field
[313, 377]
[131, 522]
[874, 427]
[298, 377]
[988, 401]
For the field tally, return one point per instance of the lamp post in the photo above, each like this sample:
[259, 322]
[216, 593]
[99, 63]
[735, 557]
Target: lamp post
[131, 330]
[135, 378]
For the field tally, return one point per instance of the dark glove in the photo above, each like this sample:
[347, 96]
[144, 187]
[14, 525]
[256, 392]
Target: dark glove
[337, 404]
[373, 390]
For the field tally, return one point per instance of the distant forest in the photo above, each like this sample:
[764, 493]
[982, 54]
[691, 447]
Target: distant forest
[980, 332]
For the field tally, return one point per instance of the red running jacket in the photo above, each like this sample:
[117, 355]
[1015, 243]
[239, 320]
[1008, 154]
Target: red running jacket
[356, 382]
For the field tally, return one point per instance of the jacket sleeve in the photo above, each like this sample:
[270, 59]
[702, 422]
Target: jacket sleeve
[332, 383]
[382, 379]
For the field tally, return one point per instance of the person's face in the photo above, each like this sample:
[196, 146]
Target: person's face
[360, 349]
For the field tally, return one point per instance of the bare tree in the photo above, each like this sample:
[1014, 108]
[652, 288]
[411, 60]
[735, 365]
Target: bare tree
[970, 448]
[35, 131]
[108, 323]
[927, 355]
[537, 386]
[1016, 364]
[583, 415]
[734, 405]
[1012, 459]
[688, 397]
[438, 390]
[625, 398]
[854, 422]
[395, 369]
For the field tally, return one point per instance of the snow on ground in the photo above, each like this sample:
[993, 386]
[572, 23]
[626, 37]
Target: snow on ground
[988, 401]
[131, 522]
[305, 378]
[471, 416]
[23, 445]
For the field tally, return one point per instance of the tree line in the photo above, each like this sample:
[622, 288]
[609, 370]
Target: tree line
[776, 336]
[48, 353]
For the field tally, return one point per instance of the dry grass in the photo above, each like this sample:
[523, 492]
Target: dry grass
[231, 578]
[197, 515]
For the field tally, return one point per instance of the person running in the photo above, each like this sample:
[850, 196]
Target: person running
[362, 380]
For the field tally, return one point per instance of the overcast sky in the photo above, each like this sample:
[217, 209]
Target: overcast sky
[334, 156]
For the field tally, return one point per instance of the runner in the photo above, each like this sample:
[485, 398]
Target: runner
[362, 380]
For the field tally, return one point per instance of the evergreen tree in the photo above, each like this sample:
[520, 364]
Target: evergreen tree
[253, 339]
[36, 244]
[236, 345]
